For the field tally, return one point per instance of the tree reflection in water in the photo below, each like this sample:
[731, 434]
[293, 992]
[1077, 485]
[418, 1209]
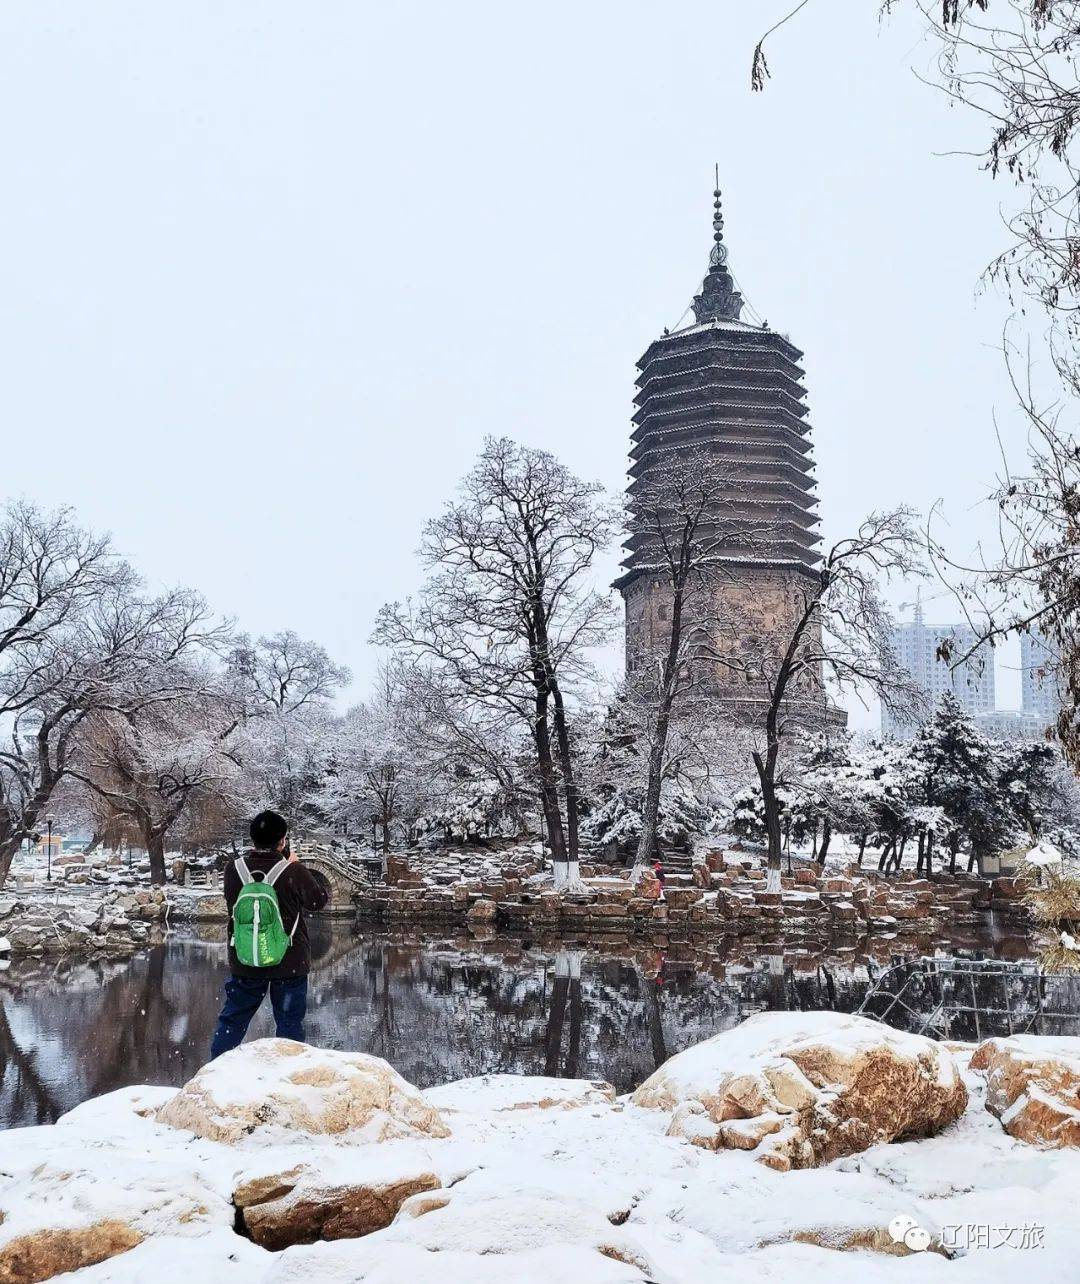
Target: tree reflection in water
[436, 1009]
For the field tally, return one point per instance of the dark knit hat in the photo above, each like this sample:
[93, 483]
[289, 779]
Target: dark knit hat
[268, 829]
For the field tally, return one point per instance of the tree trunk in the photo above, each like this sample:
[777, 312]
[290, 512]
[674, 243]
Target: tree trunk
[549, 790]
[556, 1017]
[566, 763]
[647, 840]
[766, 769]
[573, 1038]
[653, 1019]
[8, 850]
[154, 840]
[647, 843]
[826, 838]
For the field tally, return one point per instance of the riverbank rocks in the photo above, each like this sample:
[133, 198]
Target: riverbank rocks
[1033, 1087]
[724, 893]
[279, 1083]
[301, 1206]
[75, 924]
[802, 1089]
[45, 1254]
[482, 911]
[539, 1182]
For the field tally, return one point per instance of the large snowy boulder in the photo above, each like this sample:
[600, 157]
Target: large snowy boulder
[1033, 1086]
[358, 1194]
[279, 1083]
[523, 1235]
[43, 1254]
[803, 1088]
[65, 1205]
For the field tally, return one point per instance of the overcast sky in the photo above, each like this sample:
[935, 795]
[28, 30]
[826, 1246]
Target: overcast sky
[271, 271]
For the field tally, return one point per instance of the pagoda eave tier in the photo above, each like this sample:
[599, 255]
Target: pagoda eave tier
[681, 407]
[775, 456]
[800, 565]
[726, 417]
[746, 533]
[766, 367]
[733, 336]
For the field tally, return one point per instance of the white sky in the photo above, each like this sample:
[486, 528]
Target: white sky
[270, 272]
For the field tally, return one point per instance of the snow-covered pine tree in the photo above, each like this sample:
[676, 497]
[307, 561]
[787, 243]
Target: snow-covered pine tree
[961, 773]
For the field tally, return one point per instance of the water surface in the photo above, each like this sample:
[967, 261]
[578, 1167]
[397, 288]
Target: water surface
[436, 1009]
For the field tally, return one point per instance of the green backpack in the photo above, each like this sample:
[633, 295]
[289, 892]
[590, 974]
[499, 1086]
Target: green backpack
[258, 934]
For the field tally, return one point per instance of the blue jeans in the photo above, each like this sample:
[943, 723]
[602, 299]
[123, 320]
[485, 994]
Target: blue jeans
[243, 994]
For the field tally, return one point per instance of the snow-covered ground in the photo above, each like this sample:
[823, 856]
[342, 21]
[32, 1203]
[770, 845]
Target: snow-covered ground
[541, 1182]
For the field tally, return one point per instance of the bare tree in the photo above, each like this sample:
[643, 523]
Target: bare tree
[283, 687]
[152, 764]
[451, 736]
[509, 617]
[1030, 581]
[1013, 64]
[839, 638]
[284, 673]
[371, 774]
[77, 638]
[684, 523]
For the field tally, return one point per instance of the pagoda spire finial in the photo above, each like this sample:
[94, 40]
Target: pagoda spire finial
[718, 300]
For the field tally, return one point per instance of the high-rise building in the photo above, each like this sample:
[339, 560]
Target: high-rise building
[916, 647]
[1039, 679]
[1010, 724]
[731, 390]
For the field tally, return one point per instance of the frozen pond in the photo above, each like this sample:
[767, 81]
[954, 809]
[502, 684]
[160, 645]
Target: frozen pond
[436, 1009]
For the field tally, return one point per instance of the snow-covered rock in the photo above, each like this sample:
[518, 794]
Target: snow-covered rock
[595, 1193]
[1033, 1087]
[281, 1084]
[302, 1205]
[804, 1088]
[66, 1206]
[44, 1254]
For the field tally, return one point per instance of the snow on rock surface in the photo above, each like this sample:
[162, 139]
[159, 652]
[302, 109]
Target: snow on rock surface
[335, 1201]
[516, 1092]
[804, 1088]
[283, 1084]
[592, 1194]
[1033, 1087]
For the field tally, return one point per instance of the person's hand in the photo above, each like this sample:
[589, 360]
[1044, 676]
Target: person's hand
[292, 857]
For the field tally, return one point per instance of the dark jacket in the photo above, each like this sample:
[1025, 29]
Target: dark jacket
[298, 889]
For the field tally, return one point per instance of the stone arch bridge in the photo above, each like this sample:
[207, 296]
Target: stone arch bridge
[342, 876]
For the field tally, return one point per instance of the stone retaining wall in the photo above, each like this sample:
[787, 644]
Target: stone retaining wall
[116, 925]
[723, 896]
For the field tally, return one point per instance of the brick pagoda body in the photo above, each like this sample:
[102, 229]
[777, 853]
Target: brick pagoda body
[733, 390]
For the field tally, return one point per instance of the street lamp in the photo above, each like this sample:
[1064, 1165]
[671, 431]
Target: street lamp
[48, 850]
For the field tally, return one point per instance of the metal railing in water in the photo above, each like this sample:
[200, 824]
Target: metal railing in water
[973, 999]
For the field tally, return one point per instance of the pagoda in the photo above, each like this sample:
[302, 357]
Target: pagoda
[734, 390]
